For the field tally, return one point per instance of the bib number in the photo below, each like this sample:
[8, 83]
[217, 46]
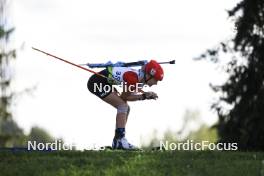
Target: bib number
[117, 75]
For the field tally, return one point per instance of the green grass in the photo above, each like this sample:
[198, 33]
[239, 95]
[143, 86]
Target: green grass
[115, 163]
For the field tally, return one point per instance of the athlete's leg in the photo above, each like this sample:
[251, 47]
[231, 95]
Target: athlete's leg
[127, 113]
[121, 106]
[112, 98]
[119, 141]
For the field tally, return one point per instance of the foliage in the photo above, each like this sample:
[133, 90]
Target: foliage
[10, 132]
[204, 133]
[187, 132]
[39, 135]
[240, 106]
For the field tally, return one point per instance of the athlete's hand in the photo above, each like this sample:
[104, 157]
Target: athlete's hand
[151, 95]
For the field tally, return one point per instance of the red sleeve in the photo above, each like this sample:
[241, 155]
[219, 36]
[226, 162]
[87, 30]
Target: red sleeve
[131, 78]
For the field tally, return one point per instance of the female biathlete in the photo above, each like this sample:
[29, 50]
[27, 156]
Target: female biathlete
[149, 74]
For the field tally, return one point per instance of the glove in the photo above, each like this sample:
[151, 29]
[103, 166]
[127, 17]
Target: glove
[149, 96]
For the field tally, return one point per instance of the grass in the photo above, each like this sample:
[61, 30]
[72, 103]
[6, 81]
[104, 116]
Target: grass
[115, 163]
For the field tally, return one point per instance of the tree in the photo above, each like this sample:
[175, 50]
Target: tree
[10, 133]
[192, 129]
[9, 130]
[243, 92]
[39, 135]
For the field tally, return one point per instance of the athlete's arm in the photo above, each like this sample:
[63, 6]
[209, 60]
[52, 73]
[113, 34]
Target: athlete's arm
[130, 96]
[132, 91]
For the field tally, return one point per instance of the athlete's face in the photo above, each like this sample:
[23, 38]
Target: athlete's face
[151, 81]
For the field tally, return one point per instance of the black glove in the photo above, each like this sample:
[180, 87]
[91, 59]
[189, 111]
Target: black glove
[149, 96]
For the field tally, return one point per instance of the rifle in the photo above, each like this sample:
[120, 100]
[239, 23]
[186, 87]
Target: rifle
[123, 64]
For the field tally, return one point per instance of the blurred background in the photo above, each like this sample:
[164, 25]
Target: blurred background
[212, 93]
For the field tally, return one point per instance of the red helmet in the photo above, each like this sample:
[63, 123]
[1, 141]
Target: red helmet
[154, 69]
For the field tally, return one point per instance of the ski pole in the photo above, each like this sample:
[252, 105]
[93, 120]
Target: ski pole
[71, 63]
[86, 69]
